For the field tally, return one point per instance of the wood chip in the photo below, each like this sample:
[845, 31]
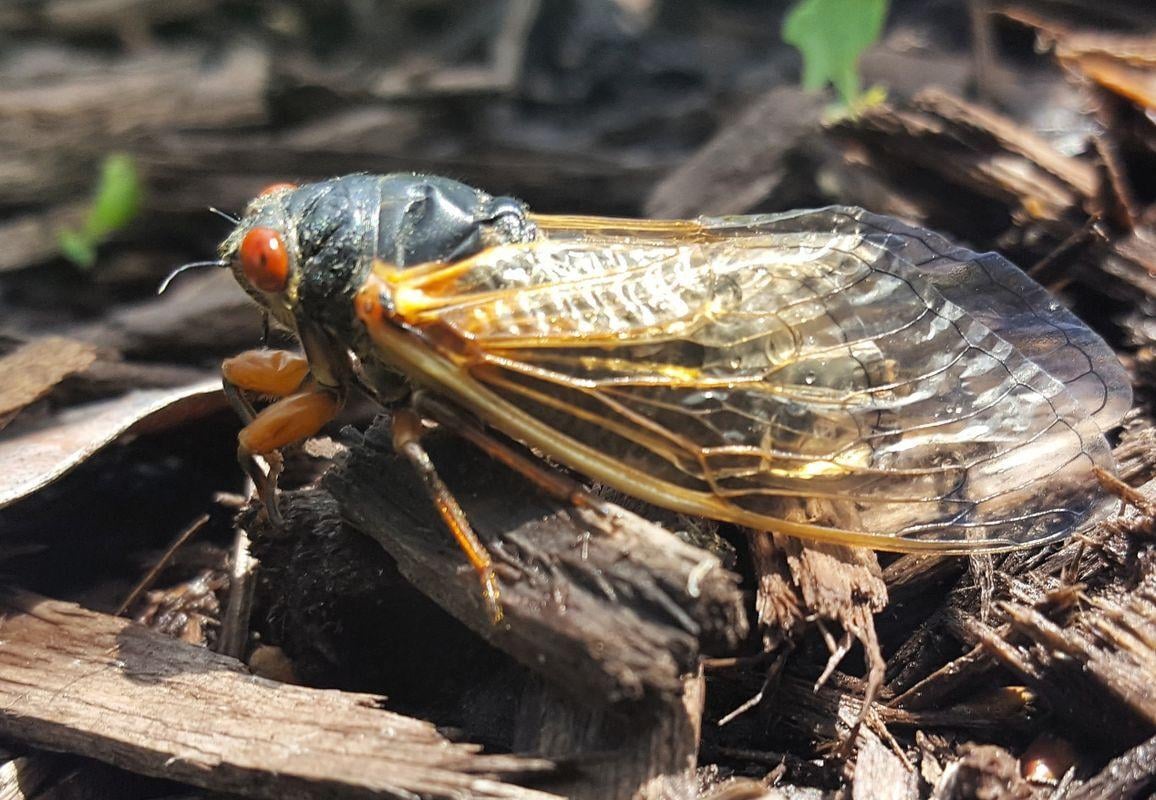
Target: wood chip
[205, 313]
[971, 147]
[53, 132]
[1127, 775]
[1091, 660]
[606, 607]
[880, 773]
[743, 163]
[76, 681]
[816, 581]
[33, 457]
[624, 748]
[33, 369]
[32, 238]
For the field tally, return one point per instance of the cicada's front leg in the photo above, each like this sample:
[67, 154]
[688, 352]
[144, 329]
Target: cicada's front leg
[303, 407]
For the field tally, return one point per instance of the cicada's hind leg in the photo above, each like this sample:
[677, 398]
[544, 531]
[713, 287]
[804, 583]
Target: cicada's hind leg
[549, 481]
[302, 409]
[407, 433]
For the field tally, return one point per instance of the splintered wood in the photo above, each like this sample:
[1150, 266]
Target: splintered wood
[1096, 670]
[76, 681]
[1024, 675]
[609, 606]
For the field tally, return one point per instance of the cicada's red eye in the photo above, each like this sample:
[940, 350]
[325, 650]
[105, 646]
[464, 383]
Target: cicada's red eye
[265, 260]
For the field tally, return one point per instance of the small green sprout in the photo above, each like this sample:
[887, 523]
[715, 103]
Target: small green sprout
[115, 203]
[831, 35]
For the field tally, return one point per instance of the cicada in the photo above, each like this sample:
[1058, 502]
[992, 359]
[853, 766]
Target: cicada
[736, 368]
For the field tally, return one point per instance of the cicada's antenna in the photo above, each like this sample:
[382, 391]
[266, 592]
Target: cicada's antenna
[232, 219]
[185, 267]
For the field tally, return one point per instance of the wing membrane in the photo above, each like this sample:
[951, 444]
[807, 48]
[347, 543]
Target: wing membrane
[1000, 296]
[921, 395]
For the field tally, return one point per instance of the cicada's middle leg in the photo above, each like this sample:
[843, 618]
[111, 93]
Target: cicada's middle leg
[407, 433]
[302, 408]
[554, 484]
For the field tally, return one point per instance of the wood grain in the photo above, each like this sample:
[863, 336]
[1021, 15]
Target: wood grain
[77, 681]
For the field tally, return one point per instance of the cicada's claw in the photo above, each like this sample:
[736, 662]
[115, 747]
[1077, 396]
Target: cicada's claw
[264, 481]
[490, 594]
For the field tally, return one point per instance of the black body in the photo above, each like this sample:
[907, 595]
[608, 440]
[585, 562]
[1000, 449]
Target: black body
[336, 229]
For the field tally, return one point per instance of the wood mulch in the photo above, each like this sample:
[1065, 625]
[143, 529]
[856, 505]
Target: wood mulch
[159, 638]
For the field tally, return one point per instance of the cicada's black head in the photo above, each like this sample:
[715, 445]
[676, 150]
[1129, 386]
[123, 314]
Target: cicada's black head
[303, 251]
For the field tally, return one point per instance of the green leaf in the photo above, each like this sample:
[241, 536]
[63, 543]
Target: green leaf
[831, 35]
[77, 248]
[118, 196]
[115, 203]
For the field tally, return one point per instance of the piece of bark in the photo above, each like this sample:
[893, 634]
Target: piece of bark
[1096, 672]
[499, 75]
[834, 579]
[987, 128]
[109, 376]
[969, 147]
[709, 783]
[201, 314]
[78, 17]
[918, 676]
[880, 774]
[26, 776]
[76, 681]
[189, 170]
[828, 715]
[911, 573]
[945, 163]
[608, 607]
[940, 683]
[983, 771]
[615, 750]
[38, 775]
[1136, 454]
[743, 163]
[779, 608]
[33, 456]
[32, 238]
[1123, 63]
[803, 582]
[1130, 265]
[36, 367]
[1126, 775]
[928, 685]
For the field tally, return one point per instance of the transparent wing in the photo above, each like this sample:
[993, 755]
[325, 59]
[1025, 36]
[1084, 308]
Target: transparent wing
[994, 292]
[800, 362]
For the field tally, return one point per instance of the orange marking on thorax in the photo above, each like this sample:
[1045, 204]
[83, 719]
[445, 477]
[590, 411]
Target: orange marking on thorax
[373, 315]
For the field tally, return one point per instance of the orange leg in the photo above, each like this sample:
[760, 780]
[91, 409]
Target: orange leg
[407, 431]
[300, 412]
[289, 420]
[271, 373]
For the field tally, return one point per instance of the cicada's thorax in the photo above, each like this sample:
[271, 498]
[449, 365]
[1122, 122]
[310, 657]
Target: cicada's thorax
[347, 225]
